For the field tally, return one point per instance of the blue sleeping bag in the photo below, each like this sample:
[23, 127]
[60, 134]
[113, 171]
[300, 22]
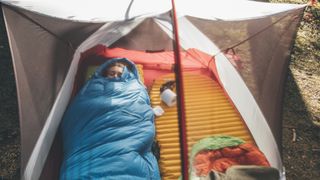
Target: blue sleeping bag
[108, 129]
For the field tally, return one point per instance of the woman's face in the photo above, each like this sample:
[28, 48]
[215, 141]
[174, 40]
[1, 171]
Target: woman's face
[115, 71]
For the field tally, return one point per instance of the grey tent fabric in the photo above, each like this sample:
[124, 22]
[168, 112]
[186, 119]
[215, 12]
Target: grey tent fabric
[41, 61]
[142, 38]
[263, 69]
[239, 172]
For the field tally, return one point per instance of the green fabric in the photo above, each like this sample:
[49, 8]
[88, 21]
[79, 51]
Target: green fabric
[215, 142]
[90, 71]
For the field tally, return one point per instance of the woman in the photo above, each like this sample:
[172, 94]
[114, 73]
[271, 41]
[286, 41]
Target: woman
[108, 128]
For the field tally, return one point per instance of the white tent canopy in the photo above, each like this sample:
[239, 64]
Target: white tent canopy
[102, 10]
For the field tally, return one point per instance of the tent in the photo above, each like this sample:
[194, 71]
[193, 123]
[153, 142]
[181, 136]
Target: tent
[250, 42]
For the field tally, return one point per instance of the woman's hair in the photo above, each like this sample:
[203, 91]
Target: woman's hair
[116, 63]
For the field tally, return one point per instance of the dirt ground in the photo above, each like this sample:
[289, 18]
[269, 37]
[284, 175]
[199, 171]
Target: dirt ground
[301, 112]
[9, 120]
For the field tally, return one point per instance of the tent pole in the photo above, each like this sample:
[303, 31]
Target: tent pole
[180, 97]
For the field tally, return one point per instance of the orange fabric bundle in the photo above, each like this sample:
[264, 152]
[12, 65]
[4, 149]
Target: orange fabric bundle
[232, 152]
[223, 164]
[202, 163]
[221, 159]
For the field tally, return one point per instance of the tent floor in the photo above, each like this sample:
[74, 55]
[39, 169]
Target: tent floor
[208, 112]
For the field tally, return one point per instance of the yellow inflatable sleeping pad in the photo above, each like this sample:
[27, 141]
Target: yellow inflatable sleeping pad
[208, 112]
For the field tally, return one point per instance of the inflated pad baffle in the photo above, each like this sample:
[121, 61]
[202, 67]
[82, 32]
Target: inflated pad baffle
[208, 112]
[140, 71]
[90, 71]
